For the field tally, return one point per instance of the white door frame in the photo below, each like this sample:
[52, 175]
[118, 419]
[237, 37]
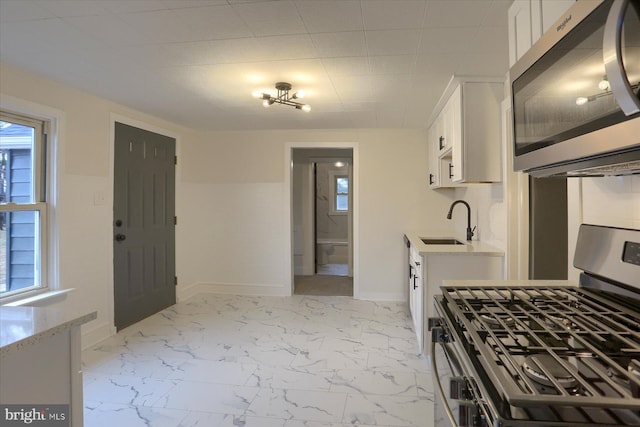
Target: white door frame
[288, 209]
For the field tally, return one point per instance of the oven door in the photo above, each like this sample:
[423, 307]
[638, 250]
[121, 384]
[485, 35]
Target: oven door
[456, 403]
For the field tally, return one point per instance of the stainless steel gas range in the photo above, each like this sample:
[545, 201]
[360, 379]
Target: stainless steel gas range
[537, 355]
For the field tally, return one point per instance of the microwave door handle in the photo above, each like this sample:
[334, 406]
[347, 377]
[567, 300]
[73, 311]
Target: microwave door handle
[612, 56]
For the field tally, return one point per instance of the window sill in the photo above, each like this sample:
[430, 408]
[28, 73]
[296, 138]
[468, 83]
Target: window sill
[37, 299]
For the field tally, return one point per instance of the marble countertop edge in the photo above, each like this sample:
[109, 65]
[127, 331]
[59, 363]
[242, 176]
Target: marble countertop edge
[21, 327]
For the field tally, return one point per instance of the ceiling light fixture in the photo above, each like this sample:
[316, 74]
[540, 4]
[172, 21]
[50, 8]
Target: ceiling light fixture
[283, 97]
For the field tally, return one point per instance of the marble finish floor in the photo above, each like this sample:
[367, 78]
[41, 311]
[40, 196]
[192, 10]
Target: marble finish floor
[237, 361]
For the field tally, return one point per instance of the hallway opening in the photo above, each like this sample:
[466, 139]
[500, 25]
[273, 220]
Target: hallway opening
[322, 221]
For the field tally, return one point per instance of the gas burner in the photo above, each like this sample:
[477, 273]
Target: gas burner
[494, 321]
[531, 367]
[538, 302]
[556, 321]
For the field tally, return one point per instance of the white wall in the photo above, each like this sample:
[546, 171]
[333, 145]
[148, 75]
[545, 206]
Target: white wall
[488, 213]
[242, 248]
[612, 201]
[84, 170]
[302, 240]
[232, 215]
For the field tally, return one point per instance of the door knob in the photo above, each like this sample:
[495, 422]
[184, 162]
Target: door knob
[120, 237]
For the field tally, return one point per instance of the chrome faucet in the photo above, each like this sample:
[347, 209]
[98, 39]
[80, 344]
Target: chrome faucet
[469, 230]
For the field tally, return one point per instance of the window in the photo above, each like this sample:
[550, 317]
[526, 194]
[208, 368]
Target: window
[339, 192]
[23, 207]
[342, 193]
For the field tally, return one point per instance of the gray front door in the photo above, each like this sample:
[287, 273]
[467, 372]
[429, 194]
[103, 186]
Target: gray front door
[144, 224]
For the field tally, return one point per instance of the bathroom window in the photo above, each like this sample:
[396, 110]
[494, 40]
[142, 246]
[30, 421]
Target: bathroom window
[23, 205]
[340, 193]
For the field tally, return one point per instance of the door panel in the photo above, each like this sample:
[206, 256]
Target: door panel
[144, 226]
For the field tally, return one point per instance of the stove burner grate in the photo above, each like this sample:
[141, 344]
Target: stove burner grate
[541, 367]
[558, 342]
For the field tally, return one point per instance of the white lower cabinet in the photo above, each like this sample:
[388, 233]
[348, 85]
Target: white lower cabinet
[432, 270]
[416, 293]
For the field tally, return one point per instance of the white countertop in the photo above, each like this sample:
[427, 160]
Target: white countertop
[474, 247]
[21, 327]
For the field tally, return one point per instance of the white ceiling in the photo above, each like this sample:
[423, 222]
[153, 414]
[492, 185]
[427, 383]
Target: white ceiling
[362, 63]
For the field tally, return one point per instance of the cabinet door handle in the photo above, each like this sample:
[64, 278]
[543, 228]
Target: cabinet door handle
[450, 170]
[430, 179]
[415, 285]
[441, 142]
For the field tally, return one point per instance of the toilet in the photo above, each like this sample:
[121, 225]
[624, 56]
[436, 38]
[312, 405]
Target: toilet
[332, 251]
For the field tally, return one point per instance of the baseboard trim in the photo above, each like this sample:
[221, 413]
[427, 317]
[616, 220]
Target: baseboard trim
[186, 292]
[270, 290]
[97, 334]
[239, 289]
[381, 296]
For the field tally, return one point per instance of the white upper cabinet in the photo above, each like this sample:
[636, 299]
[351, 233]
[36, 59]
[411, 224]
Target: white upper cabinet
[528, 20]
[544, 13]
[433, 152]
[443, 134]
[464, 136]
[519, 29]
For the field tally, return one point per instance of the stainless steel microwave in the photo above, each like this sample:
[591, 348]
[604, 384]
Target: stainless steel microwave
[575, 94]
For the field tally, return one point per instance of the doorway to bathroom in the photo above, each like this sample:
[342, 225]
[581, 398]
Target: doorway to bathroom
[331, 216]
[322, 218]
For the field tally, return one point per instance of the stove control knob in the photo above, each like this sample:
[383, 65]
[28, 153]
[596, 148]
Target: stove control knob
[459, 389]
[469, 415]
[439, 335]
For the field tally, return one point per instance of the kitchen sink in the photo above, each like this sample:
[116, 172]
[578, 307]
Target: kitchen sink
[442, 242]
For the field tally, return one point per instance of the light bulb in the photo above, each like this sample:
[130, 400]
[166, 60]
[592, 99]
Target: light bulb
[306, 108]
[581, 100]
[266, 103]
[299, 94]
[256, 94]
[604, 84]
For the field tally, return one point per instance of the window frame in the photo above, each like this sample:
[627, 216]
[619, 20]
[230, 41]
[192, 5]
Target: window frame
[38, 203]
[334, 175]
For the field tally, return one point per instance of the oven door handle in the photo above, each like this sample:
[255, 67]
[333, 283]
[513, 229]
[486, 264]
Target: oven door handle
[438, 384]
[612, 56]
